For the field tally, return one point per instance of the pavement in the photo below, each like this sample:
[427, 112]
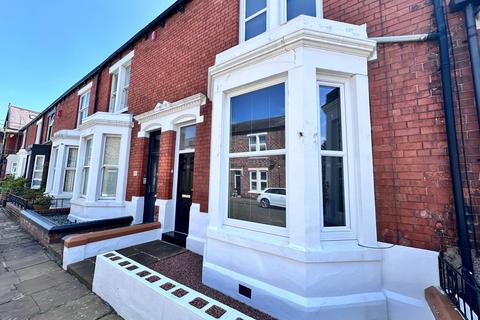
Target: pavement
[33, 286]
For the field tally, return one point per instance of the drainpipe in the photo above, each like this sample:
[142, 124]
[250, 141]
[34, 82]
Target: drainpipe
[474, 51]
[445, 70]
[407, 38]
[97, 83]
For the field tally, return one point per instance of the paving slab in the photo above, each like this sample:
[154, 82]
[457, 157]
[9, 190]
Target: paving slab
[88, 307]
[33, 286]
[37, 270]
[59, 295]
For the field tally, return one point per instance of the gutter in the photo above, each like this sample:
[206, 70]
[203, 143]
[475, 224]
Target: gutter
[446, 77]
[178, 6]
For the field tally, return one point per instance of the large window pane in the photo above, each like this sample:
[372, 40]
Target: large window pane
[333, 192]
[69, 181]
[112, 148]
[187, 137]
[109, 182]
[257, 190]
[330, 119]
[298, 7]
[256, 26]
[257, 120]
[253, 6]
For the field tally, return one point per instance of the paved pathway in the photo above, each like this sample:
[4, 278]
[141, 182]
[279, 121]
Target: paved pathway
[33, 286]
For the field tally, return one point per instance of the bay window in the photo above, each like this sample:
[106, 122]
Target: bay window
[86, 166]
[110, 166]
[38, 171]
[253, 115]
[70, 165]
[333, 156]
[254, 18]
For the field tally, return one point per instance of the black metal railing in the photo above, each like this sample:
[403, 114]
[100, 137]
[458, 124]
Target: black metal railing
[29, 203]
[19, 201]
[460, 286]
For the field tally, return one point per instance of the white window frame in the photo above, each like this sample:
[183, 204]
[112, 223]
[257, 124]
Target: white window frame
[85, 167]
[53, 163]
[253, 226]
[258, 180]
[119, 69]
[13, 168]
[34, 170]
[83, 93]
[50, 122]
[69, 168]
[348, 231]
[104, 166]
[244, 20]
[39, 131]
[318, 9]
[257, 143]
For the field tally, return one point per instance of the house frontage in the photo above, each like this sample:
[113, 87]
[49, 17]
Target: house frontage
[303, 148]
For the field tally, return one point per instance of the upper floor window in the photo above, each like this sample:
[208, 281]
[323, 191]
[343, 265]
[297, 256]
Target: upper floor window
[84, 102]
[120, 84]
[51, 119]
[254, 18]
[298, 7]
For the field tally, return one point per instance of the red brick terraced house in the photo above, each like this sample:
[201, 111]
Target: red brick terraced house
[12, 138]
[319, 153]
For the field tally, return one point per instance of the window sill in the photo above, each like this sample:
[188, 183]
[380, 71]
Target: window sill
[329, 251]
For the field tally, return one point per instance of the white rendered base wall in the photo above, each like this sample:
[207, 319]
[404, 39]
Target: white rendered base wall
[82, 211]
[76, 254]
[135, 298]
[197, 229]
[406, 273]
[135, 208]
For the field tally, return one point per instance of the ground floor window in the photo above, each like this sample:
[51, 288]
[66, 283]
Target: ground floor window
[38, 171]
[257, 164]
[332, 156]
[86, 166]
[70, 166]
[109, 173]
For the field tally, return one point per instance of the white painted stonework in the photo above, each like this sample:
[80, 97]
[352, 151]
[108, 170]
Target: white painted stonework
[135, 298]
[91, 206]
[301, 271]
[75, 254]
[22, 156]
[61, 141]
[167, 116]
[197, 232]
[12, 164]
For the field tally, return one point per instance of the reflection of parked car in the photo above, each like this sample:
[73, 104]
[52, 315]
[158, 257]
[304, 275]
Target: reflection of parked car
[273, 197]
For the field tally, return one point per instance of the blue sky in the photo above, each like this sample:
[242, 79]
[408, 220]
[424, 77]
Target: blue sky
[47, 46]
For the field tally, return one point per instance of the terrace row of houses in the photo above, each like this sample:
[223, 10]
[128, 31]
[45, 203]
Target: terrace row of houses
[279, 139]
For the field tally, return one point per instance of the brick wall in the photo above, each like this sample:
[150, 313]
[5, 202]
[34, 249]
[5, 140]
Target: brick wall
[412, 180]
[171, 64]
[165, 165]
[12, 143]
[31, 133]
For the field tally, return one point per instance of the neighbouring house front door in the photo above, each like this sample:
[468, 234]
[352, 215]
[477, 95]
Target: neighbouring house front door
[184, 191]
[152, 172]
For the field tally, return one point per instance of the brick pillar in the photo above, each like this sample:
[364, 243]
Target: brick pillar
[138, 164]
[165, 166]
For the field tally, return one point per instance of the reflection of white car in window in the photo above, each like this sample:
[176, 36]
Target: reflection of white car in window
[273, 197]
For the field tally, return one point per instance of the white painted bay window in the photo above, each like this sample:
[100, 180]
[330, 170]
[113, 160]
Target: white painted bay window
[253, 115]
[110, 167]
[120, 83]
[38, 171]
[70, 166]
[86, 166]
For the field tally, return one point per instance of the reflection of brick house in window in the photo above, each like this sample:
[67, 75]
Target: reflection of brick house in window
[243, 182]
